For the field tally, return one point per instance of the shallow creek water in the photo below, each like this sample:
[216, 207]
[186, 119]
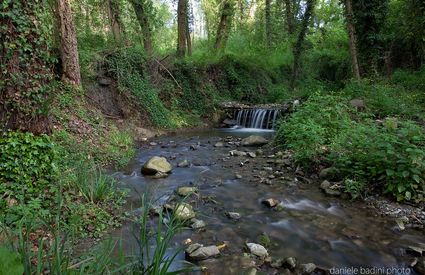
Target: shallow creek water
[329, 232]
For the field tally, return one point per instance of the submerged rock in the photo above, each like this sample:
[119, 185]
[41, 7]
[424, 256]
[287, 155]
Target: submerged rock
[257, 250]
[184, 211]
[186, 190]
[155, 165]
[219, 144]
[238, 176]
[254, 141]
[270, 202]
[198, 252]
[197, 224]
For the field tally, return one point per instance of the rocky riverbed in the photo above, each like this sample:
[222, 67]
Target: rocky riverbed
[250, 210]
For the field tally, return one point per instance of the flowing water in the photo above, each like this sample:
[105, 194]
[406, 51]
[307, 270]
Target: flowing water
[329, 232]
[256, 118]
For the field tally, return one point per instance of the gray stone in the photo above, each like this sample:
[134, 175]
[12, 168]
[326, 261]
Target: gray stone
[254, 141]
[306, 269]
[401, 222]
[186, 190]
[359, 104]
[233, 215]
[230, 122]
[160, 175]
[329, 189]
[184, 211]
[155, 165]
[290, 263]
[184, 163]
[237, 153]
[198, 252]
[219, 144]
[251, 154]
[327, 172]
[238, 176]
[257, 250]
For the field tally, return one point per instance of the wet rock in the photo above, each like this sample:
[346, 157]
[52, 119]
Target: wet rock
[198, 252]
[184, 211]
[277, 263]
[186, 190]
[257, 250]
[197, 224]
[153, 144]
[418, 249]
[401, 222]
[419, 266]
[254, 141]
[266, 168]
[237, 153]
[306, 269]
[183, 164]
[238, 176]
[219, 144]
[160, 175]
[290, 263]
[259, 152]
[251, 271]
[270, 202]
[233, 215]
[194, 147]
[230, 122]
[155, 165]
[329, 189]
[251, 155]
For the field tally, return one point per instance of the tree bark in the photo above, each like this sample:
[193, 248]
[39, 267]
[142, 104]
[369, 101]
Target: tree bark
[68, 43]
[352, 38]
[223, 29]
[142, 17]
[115, 19]
[268, 23]
[289, 17]
[300, 41]
[182, 28]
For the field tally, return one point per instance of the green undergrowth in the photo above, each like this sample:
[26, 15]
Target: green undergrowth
[378, 149]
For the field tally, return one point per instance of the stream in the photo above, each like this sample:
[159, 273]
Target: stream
[312, 227]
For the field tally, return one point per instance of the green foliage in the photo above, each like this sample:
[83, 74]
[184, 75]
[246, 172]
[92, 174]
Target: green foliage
[10, 262]
[128, 66]
[326, 130]
[27, 167]
[311, 129]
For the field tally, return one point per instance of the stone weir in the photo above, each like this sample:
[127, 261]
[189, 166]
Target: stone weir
[261, 116]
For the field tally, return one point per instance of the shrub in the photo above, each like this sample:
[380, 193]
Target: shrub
[311, 129]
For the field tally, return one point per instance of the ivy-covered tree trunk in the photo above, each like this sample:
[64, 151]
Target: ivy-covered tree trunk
[298, 47]
[68, 43]
[25, 73]
[225, 25]
[142, 16]
[268, 23]
[182, 28]
[114, 13]
[352, 38]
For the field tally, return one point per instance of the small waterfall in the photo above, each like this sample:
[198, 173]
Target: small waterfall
[256, 118]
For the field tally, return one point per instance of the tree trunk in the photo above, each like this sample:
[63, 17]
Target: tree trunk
[300, 41]
[142, 17]
[289, 17]
[188, 39]
[268, 23]
[182, 28]
[68, 43]
[352, 39]
[224, 27]
[115, 19]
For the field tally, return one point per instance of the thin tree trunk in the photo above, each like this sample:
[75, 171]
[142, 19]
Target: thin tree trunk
[68, 42]
[182, 28]
[188, 39]
[115, 19]
[352, 38]
[289, 17]
[300, 41]
[268, 23]
[142, 17]
[225, 25]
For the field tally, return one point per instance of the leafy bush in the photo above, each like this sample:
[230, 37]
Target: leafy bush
[27, 166]
[389, 157]
[311, 129]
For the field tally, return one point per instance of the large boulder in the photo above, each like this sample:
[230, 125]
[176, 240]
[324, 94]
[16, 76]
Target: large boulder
[254, 141]
[156, 165]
